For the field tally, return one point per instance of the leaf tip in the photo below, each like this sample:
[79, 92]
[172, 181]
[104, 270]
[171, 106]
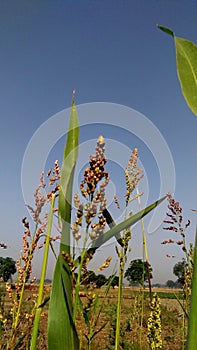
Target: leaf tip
[73, 96]
[166, 30]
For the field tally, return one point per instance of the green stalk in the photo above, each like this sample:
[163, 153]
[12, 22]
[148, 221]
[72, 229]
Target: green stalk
[192, 339]
[183, 332]
[77, 287]
[118, 312]
[16, 317]
[145, 255]
[42, 278]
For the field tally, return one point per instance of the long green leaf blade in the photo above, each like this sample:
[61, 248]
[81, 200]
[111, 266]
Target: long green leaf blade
[66, 181]
[62, 333]
[115, 230]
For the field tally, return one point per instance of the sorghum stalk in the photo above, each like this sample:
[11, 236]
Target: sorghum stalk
[191, 342]
[145, 257]
[16, 317]
[77, 286]
[118, 312]
[42, 279]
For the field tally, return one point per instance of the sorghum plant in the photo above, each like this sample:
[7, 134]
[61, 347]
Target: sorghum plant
[31, 243]
[133, 174]
[176, 225]
[93, 190]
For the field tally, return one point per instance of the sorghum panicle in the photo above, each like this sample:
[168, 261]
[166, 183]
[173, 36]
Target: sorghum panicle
[175, 223]
[92, 188]
[154, 324]
[133, 175]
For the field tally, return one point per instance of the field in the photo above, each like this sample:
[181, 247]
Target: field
[131, 321]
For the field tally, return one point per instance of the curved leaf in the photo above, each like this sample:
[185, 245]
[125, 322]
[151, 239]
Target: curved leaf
[186, 60]
[166, 30]
[115, 230]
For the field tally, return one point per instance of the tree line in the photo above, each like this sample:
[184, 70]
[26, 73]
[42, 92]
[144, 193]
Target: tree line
[136, 273]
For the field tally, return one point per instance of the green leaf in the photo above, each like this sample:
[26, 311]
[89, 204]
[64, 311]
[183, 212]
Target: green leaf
[192, 339]
[62, 333]
[186, 61]
[115, 230]
[99, 330]
[66, 180]
[166, 30]
[61, 329]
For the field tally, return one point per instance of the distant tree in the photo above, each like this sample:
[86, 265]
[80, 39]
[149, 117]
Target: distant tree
[157, 285]
[115, 281]
[100, 280]
[48, 281]
[171, 284]
[137, 272]
[179, 271]
[90, 278]
[7, 268]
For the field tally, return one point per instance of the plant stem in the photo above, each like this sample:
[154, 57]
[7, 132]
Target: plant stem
[42, 278]
[118, 312]
[192, 340]
[17, 315]
[78, 282]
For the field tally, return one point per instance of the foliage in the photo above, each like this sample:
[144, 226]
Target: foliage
[7, 268]
[137, 272]
[179, 271]
[172, 284]
[115, 281]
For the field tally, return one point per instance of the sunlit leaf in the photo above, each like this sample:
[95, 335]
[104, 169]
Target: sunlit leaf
[186, 60]
[61, 329]
[115, 230]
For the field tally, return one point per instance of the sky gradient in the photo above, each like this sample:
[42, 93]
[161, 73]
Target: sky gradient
[109, 51]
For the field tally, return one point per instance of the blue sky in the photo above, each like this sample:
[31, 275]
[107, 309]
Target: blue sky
[109, 51]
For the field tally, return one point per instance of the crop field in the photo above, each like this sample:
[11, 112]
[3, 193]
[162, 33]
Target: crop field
[133, 331]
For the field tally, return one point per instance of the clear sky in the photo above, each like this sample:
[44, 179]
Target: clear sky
[109, 51]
